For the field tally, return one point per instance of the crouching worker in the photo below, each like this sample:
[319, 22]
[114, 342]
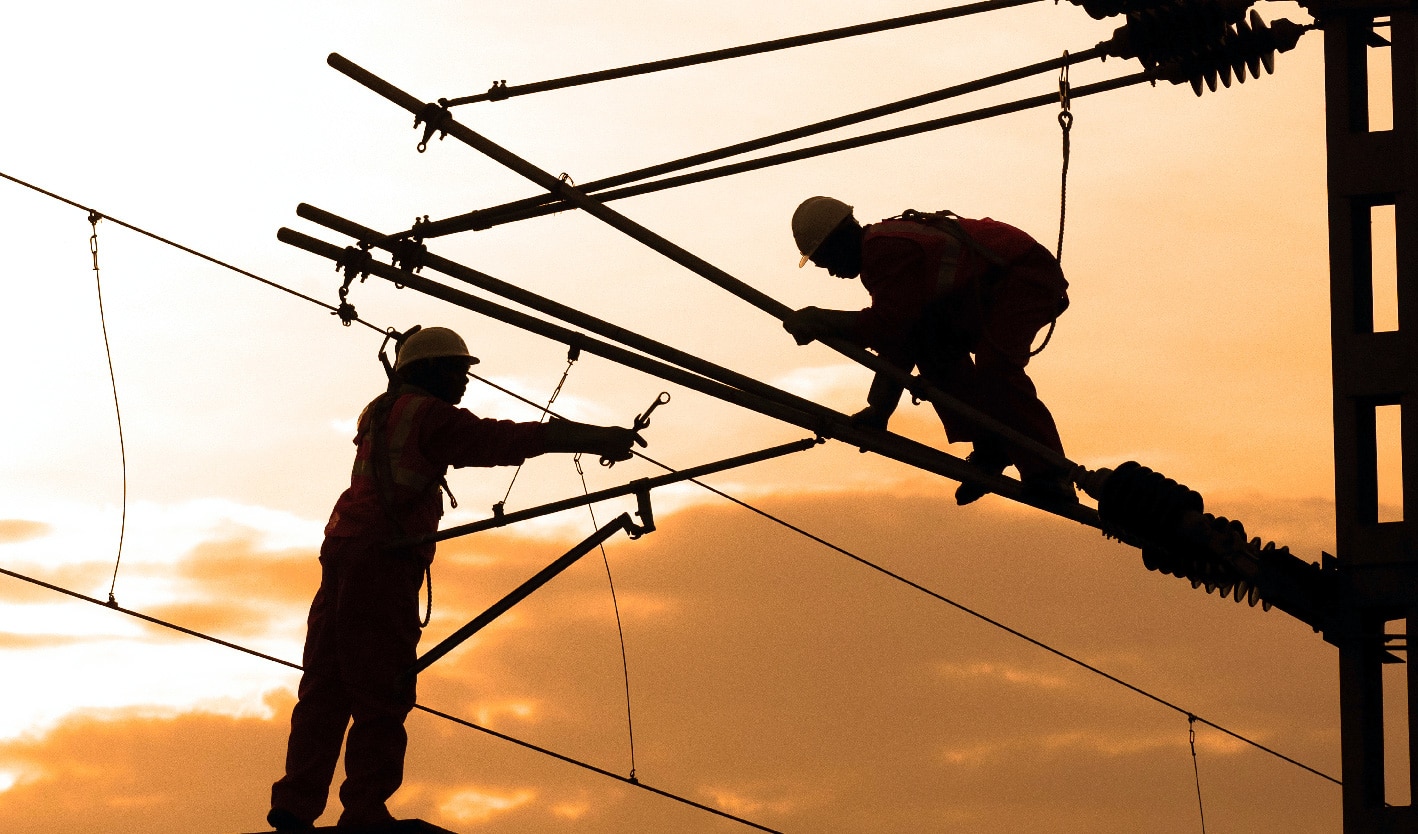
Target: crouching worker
[363, 630]
[960, 299]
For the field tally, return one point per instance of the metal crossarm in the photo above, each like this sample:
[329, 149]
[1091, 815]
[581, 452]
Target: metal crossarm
[825, 422]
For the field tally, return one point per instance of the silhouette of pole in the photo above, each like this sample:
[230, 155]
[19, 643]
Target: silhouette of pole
[917, 385]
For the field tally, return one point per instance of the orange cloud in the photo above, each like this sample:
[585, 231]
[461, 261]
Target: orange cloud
[785, 682]
[13, 530]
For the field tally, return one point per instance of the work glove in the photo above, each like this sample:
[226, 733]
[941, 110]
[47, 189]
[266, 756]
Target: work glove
[802, 325]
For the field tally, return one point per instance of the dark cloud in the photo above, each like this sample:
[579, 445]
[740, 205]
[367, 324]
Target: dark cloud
[777, 679]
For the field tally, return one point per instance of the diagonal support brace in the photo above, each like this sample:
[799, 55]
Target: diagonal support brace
[545, 575]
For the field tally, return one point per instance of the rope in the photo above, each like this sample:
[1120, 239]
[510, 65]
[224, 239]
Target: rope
[500, 90]
[1191, 738]
[446, 716]
[966, 609]
[94, 218]
[620, 629]
[160, 239]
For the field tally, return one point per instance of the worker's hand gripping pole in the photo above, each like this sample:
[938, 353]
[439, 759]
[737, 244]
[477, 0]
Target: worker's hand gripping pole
[565, 191]
[521, 592]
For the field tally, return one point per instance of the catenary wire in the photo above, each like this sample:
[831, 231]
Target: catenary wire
[238, 270]
[502, 91]
[431, 711]
[94, 218]
[836, 146]
[959, 606]
[533, 206]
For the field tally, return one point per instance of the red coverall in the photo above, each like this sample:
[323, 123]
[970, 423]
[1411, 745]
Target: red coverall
[936, 300]
[363, 630]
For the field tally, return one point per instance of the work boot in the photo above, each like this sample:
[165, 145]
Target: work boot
[1050, 489]
[367, 820]
[986, 458]
[282, 820]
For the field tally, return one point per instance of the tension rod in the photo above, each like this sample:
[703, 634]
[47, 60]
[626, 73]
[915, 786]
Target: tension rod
[544, 204]
[917, 385]
[636, 487]
[501, 91]
[545, 575]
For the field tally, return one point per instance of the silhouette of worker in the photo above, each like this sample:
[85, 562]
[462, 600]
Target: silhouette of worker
[363, 630]
[960, 299]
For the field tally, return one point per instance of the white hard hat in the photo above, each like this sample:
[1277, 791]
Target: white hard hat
[814, 220]
[432, 343]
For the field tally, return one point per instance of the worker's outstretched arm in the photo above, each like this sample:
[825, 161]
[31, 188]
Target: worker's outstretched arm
[612, 442]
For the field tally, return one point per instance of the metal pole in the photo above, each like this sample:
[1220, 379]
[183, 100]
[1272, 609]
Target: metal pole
[700, 266]
[543, 204]
[640, 485]
[839, 427]
[521, 592]
[502, 91]
[576, 317]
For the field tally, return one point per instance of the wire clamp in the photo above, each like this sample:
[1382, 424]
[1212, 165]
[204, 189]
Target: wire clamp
[354, 262]
[408, 253]
[432, 117]
[498, 91]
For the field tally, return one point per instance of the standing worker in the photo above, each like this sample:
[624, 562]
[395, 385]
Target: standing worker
[363, 631]
[943, 288]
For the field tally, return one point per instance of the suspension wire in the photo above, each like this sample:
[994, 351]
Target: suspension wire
[159, 238]
[501, 91]
[1065, 126]
[431, 711]
[94, 218]
[525, 208]
[572, 355]
[620, 629]
[839, 145]
[966, 609]
[1191, 739]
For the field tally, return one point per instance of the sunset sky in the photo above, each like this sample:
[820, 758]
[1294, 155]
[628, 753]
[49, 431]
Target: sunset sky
[770, 676]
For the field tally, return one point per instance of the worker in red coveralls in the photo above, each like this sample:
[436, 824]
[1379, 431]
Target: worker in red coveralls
[363, 629]
[943, 288]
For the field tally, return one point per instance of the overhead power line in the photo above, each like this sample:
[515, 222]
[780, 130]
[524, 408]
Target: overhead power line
[159, 238]
[500, 90]
[438, 713]
[1192, 717]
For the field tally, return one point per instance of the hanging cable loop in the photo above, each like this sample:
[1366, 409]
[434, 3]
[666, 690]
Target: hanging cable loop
[94, 218]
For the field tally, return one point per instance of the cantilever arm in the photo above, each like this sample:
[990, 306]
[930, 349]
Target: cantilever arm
[694, 263]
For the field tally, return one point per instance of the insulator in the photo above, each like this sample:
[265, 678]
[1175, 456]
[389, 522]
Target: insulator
[1245, 47]
[1100, 9]
[1175, 30]
[1145, 503]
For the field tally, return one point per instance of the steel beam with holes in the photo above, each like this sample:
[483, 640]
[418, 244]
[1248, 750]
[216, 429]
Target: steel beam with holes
[916, 384]
[822, 421]
[545, 575]
[1378, 560]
